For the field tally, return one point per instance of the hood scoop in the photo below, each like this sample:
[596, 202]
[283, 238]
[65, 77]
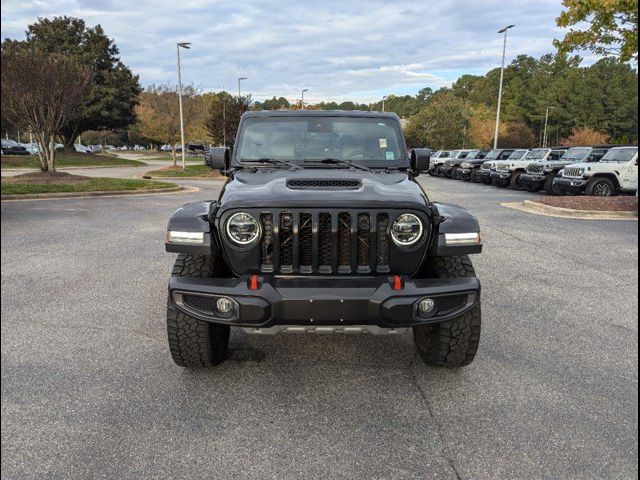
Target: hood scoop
[324, 184]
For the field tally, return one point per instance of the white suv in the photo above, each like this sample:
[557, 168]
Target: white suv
[616, 172]
[503, 174]
[438, 159]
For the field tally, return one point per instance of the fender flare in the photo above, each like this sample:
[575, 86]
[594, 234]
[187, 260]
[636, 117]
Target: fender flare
[609, 175]
[453, 219]
[194, 217]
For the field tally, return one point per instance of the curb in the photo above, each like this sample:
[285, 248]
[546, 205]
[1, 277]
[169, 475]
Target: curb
[149, 177]
[98, 193]
[548, 210]
[62, 169]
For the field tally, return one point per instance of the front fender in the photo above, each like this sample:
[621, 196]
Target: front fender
[453, 219]
[194, 217]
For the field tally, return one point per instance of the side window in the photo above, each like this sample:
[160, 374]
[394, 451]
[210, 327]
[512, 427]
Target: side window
[596, 155]
[553, 156]
[504, 155]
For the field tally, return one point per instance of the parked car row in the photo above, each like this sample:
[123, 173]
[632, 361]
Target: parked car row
[601, 170]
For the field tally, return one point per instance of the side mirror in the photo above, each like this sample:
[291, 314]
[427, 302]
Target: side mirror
[420, 159]
[217, 158]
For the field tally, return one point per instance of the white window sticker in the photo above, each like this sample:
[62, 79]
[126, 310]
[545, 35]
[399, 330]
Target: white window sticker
[390, 155]
[382, 142]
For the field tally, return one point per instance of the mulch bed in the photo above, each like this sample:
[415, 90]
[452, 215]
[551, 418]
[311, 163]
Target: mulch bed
[600, 204]
[45, 178]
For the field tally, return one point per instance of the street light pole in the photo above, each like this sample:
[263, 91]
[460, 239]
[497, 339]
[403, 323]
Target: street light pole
[383, 99]
[504, 51]
[239, 80]
[302, 97]
[179, 45]
[546, 121]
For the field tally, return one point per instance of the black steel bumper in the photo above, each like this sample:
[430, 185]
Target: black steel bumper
[464, 173]
[569, 186]
[501, 178]
[319, 301]
[445, 171]
[533, 180]
[484, 175]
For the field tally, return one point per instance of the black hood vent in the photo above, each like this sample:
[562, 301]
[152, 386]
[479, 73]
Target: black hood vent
[324, 184]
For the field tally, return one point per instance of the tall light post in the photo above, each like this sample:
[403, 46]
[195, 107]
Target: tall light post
[546, 121]
[302, 97]
[383, 99]
[240, 80]
[504, 51]
[179, 45]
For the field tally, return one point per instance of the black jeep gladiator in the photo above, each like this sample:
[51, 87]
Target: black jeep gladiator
[321, 227]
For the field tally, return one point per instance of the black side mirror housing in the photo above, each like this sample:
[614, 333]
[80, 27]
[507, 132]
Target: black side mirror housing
[420, 160]
[217, 158]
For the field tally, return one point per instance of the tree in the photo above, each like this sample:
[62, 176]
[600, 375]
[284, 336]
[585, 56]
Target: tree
[40, 92]
[611, 27]
[584, 136]
[273, 104]
[114, 89]
[516, 135]
[443, 123]
[159, 114]
[224, 112]
[482, 126]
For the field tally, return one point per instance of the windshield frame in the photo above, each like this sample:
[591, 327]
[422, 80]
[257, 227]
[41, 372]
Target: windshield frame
[401, 162]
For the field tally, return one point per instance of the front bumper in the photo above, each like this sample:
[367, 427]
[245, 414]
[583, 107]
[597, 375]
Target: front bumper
[501, 178]
[569, 186]
[324, 301]
[533, 180]
[445, 171]
[484, 175]
[464, 173]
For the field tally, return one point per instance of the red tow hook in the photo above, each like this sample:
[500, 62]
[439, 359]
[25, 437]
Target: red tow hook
[397, 282]
[253, 283]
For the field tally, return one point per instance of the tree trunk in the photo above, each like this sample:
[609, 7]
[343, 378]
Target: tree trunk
[42, 151]
[69, 139]
[51, 161]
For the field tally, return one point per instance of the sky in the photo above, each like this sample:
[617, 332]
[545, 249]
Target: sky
[340, 50]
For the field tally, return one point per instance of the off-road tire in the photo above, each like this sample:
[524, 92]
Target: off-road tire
[515, 183]
[548, 185]
[194, 343]
[453, 343]
[600, 187]
[474, 177]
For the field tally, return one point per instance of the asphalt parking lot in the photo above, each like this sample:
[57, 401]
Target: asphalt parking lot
[89, 389]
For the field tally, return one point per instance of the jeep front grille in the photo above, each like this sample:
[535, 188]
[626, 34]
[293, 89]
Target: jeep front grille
[486, 166]
[322, 242]
[502, 166]
[535, 168]
[572, 172]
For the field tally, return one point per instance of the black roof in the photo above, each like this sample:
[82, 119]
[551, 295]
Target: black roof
[320, 113]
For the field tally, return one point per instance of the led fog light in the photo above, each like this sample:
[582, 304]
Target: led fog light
[426, 307]
[224, 306]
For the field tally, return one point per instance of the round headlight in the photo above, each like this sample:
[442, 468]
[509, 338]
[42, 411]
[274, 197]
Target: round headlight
[406, 230]
[242, 228]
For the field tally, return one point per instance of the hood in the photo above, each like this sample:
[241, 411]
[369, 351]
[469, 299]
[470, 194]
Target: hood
[321, 187]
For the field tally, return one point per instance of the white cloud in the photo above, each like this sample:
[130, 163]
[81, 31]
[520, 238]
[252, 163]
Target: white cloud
[337, 49]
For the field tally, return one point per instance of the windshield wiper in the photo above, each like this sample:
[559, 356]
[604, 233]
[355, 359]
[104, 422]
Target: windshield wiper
[338, 161]
[273, 161]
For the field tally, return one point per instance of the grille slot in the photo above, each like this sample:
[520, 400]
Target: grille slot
[344, 243]
[306, 242]
[364, 242]
[266, 248]
[572, 172]
[286, 243]
[305, 238]
[324, 243]
[323, 184]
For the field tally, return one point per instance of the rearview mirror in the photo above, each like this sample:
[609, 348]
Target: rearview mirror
[217, 158]
[420, 159]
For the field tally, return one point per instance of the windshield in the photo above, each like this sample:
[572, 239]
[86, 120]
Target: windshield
[620, 154]
[473, 154]
[576, 153]
[361, 140]
[537, 154]
[518, 154]
[493, 154]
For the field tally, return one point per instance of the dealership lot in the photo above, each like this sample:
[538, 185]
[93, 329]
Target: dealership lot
[89, 388]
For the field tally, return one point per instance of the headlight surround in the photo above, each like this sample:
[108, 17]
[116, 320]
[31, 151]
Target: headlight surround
[406, 230]
[465, 165]
[243, 229]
